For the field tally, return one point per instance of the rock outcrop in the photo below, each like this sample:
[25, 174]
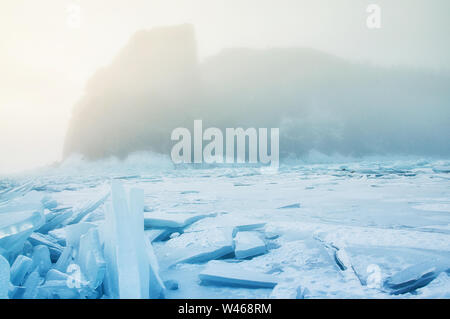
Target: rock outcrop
[319, 101]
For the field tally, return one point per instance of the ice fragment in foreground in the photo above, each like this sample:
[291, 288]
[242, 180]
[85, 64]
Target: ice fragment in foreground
[41, 259]
[15, 192]
[159, 234]
[90, 258]
[227, 274]
[80, 212]
[246, 227]
[157, 287]
[20, 269]
[342, 259]
[63, 286]
[248, 244]
[413, 277]
[55, 219]
[439, 288]
[54, 274]
[74, 233]
[65, 259]
[58, 235]
[31, 286]
[49, 203]
[15, 228]
[127, 264]
[171, 284]
[4, 278]
[54, 248]
[57, 289]
[198, 247]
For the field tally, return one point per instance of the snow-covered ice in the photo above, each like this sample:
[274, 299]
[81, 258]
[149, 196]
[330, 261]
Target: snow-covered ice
[4, 277]
[227, 274]
[196, 247]
[248, 244]
[363, 229]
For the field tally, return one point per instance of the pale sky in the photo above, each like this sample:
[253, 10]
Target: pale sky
[45, 61]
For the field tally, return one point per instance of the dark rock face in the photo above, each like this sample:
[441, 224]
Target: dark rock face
[318, 101]
[127, 104]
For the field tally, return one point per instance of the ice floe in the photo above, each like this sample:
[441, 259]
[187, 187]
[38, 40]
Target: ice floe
[197, 247]
[248, 244]
[227, 274]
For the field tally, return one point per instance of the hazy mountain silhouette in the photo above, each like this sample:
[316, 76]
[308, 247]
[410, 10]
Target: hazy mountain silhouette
[319, 101]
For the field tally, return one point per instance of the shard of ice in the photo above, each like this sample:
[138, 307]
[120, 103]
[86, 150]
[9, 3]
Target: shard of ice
[172, 220]
[247, 227]
[198, 246]
[20, 269]
[65, 259]
[80, 212]
[12, 193]
[28, 201]
[55, 219]
[415, 276]
[62, 286]
[158, 234]
[59, 235]
[227, 274]
[157, 287]
[127, 264]
[49, 203]
[31, 286]
[397, 266]
[437, 289]
[136, 229]
[74, 232]
[171, 284]
[342, 259]
[37, 239]
[90, 258]
[54, 274]
[41, 259]
[4, 278]
[15, 228]
[248, 244]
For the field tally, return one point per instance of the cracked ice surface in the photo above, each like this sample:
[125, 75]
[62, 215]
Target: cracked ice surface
[354, 230]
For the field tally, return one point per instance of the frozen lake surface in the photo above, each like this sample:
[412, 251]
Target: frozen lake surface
[368, 229]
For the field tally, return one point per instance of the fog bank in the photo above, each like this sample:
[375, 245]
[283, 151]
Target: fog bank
[319, 101]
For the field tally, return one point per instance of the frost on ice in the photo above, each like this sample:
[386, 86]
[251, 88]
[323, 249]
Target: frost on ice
[310, 231]
[225, 274]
